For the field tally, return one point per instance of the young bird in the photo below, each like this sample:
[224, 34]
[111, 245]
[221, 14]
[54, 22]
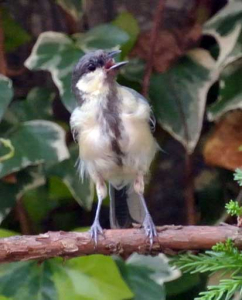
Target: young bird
[111, 124]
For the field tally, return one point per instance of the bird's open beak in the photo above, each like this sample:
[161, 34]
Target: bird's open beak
[117, 65]
[111, 54]
[112, 65]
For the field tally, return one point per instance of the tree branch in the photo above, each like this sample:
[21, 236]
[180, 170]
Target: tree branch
[120, 241]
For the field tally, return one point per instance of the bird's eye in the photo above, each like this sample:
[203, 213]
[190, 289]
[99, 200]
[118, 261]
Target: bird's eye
[91, 67]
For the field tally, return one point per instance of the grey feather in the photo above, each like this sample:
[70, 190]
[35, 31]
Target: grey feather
[125, 207]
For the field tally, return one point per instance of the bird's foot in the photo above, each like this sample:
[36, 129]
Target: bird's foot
[95, 230]
[149, 228]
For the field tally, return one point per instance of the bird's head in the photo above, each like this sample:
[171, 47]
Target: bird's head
[94, 71]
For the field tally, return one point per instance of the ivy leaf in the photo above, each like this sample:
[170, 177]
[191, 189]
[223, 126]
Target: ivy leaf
[129, 24]
[230, 92]
[179, 96]
[26, 180]
[158, 265]
[6, 94]
[27, 280]
[139, 281]
[145, 275]
[38, 105]
[7, 144]
[35, 142]
[134, 70]
[10, 26]
[72, 7]
[106, 36]
[56, 52]
[81, 190]
[84, 278]
[80, 278]
[226, 28]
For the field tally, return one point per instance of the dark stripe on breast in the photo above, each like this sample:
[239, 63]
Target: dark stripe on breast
[111, 116]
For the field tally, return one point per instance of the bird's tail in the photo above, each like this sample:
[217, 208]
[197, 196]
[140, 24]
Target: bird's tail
[125, 207]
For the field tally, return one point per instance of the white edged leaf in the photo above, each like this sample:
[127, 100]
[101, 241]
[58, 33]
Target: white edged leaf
[81, 190]
[159, 266]
[57, 53]
[35, 142]
[105, 36]
[179, 96]
[225, 27]
[140, 277]
[27, 179]
[230, 92]
[37, 105]
[72, 7]
[6, 94]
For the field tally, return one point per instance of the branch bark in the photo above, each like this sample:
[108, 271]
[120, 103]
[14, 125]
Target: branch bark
[120, 241]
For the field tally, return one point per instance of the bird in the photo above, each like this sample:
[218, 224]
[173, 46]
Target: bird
[113, 125]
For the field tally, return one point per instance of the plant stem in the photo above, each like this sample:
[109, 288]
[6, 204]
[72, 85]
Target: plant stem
[3, 64]
[153, 39]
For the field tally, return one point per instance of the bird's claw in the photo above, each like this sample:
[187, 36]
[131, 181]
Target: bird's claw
[149, 228]
[95, 230]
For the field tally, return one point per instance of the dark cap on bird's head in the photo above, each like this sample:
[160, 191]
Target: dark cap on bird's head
[95, 60]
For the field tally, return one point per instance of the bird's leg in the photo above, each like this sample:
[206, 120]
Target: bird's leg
[148, 223]
[101, 194]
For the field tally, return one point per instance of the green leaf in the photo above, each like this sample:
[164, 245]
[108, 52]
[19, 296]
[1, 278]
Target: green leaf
[230, 92]
[5, 298]
[72, 7]
[38, 105]
[27, 280]
[104, 36]
[90, 278]
[179, 96]
[56, 52]
[6, 94]
[138, 280]
[38, 204]
[129, 24]
[134, 70]
[78, 279]
[145, 275]
[6, 233]
[35, 142]
[81, 190]
[158, 265]
[185, 283]
[10, 26]
[26, 180]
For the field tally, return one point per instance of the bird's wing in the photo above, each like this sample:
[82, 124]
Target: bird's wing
[139, 97]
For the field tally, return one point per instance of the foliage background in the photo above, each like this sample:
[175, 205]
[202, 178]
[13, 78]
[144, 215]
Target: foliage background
[195, 90]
